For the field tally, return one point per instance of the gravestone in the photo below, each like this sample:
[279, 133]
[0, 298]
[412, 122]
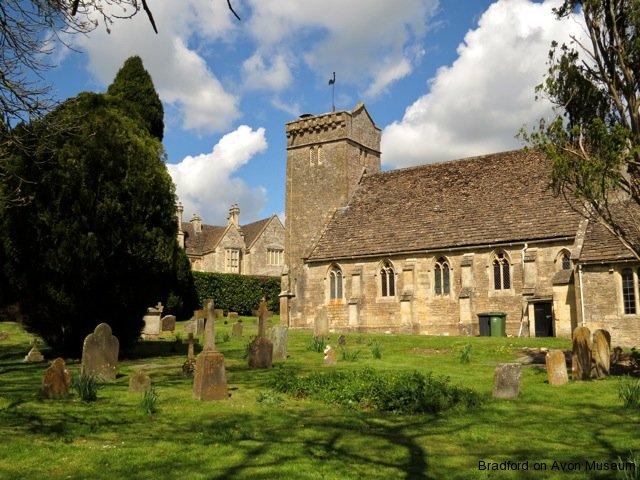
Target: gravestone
[506, 380]
[56, 381]
[232, 316]
[210, 379]
[34, 355]
[139, 382]
[600, 350]
[236, 330]
[152, 324]
[321, 323]
[342, 341]
[219, 312]
[168, 323]
[330, 358]
[556, 367]
[100, 353]
[189, 366]
[279, 338]
[261, 348]
[581, 354]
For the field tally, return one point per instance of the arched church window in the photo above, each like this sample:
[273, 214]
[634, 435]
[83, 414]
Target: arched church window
[442, 275]
[387, 280]
[335, 283]
[566, 261]
[501, 272]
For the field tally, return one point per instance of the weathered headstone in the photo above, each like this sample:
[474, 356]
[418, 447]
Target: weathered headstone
[321, 323]
[152, 324]
[168, 323]
[581, 354]
[600, 350]
[261, 348]
[556, 367]
[232, 316]
[100, 353]
[139, 382]
[236, 330]
[219, 312]
[56, 380]
[506, 380]
[279, 338]
[210, 379]
[330, 358]
[34, 355]
[342, 341]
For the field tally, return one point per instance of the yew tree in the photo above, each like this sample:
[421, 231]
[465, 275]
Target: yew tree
[594, 139]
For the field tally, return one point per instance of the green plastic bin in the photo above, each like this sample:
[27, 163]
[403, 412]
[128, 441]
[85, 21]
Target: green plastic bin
[498, 322]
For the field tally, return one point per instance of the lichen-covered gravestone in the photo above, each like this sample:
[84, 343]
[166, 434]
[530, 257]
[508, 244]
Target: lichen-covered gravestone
[506, 380]
[329, 356]
[556, 367]
[321, 323]
[139, 382]
[56, 380]
[581, 354]
[210, 379]
[261, 348]
[279, 338]
[601, 352]
[236, 330]
[100, 353]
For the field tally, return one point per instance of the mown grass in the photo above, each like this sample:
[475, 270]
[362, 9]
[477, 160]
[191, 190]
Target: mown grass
[261, 434]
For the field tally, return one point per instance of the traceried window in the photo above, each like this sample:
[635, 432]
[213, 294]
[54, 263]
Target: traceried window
[232, 260]
[628, 292]
[442, 274]
[387, 280]
[275, 257]
[501, 272]
[335, 283]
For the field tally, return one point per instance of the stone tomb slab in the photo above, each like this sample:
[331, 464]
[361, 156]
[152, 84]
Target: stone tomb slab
[100, 353]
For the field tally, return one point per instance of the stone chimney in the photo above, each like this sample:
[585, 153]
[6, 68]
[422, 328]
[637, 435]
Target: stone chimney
[234, 215]
[179, 210]
[196, 222]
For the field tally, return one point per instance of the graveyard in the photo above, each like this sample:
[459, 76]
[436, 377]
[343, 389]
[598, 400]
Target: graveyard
[155, 419]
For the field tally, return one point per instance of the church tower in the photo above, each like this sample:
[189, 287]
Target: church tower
[326, 157]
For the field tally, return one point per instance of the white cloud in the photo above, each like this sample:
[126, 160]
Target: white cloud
[206, 185]
[180, 74]
[478, 104]
[260, 76]
[369, 44]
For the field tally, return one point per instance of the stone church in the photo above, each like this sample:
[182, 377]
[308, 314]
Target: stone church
[434, 249]
[256, 248]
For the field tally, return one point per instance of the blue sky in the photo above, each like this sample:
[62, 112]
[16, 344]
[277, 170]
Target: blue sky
[442, 79]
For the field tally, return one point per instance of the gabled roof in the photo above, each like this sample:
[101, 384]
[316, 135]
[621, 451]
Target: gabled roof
[498, 198]
[203, 242]
[252, 231]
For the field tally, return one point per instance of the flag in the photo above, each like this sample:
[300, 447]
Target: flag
[332, 80]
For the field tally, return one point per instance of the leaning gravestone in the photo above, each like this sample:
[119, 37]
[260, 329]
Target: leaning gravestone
[34, 355]
[321, 323]
[506, 381]
[261, 348]
[600, 350]
[56, 381]
[139, 382]
[168, 323]
[236, 330]
[556, 367]
[279, 338]
[581, 354]
[329, 356]
[210, 379]
[100, 353]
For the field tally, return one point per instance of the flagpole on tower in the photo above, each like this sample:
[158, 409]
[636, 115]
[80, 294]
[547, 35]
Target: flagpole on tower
[332, 82]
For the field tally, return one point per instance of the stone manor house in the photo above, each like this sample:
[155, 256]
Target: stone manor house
[429, 249]
[253, 249]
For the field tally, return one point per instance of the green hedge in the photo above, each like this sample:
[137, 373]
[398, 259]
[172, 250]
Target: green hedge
[237, 293]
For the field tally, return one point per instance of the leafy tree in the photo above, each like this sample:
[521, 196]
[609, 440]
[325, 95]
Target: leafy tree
[594, 140]
[96, 242]
[134, 85]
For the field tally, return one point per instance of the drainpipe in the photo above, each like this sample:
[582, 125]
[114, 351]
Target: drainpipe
[525, 308]
[584, 322]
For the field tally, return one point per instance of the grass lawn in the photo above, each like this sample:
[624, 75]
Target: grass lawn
[260, 434]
